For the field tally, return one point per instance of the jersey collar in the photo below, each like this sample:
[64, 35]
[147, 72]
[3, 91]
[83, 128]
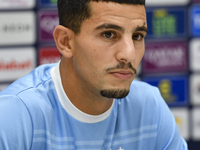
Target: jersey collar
[69, 106]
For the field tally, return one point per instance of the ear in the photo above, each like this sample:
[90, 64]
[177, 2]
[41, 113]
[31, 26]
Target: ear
[63, 37]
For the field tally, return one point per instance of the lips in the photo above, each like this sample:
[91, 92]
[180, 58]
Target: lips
[123, 75]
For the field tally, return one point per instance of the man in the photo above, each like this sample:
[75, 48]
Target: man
[89, 101]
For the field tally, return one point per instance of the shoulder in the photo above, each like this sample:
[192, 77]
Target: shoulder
[9, 104]
[147, 103]
[12, 108]
[32, 91]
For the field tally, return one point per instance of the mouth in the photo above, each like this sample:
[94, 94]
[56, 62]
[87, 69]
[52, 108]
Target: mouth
[122, 71]
[122, 74]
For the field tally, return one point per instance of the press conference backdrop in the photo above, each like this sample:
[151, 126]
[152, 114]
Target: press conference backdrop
[171, 61]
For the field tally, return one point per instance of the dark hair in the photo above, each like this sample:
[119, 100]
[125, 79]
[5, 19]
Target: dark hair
[73, 12]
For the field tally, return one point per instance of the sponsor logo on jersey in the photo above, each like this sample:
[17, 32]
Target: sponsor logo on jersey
[16, 4]
[17, 28]
[48, 20]
[16, 62]
[48, 55]
[195, 20]
[165, 57]
[195, 55]
[174, 89]
[166, 23]
[182, 120]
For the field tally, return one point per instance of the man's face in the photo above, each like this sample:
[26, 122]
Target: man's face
[109, 48]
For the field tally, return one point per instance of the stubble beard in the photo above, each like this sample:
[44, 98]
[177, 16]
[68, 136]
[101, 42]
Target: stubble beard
[114, 93]
[118, 93]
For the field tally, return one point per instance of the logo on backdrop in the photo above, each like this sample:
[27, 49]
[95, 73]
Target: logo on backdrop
[166, 22]
[48, 23]
[182, 120]
[13, 64]
[48, 55]
[165, 57]
[19, 4]
[48, 20]
[174, 89]
[17, 28]
[165, 87]
[163, 22]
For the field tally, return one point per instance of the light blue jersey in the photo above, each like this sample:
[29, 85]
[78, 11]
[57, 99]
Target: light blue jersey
[36, 114]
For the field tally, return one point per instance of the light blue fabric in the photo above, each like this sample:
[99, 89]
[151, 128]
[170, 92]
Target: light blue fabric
[32, 118]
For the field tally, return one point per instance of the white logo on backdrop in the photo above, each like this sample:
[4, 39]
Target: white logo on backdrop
[13, 4]
[49, 23]
[17, 28]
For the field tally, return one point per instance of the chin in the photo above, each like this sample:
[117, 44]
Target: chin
[117, 93]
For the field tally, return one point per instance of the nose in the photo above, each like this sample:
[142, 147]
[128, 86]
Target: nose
[126, 50]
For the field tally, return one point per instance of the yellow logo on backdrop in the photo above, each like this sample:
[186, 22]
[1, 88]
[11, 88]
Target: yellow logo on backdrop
[160, 13]
[178, 121]
[165, 87]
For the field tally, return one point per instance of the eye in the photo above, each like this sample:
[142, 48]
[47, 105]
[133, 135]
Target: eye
[138, 37]
[109, 35]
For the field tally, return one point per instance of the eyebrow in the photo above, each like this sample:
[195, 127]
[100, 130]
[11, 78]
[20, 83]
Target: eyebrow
[116, 27]
[110, 26]
[142, 28]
